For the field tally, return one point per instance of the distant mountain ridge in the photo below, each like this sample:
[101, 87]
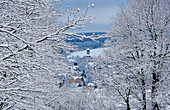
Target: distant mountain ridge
[88, 43]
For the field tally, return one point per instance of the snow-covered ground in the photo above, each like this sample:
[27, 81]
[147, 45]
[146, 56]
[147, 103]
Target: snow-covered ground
[93, 53]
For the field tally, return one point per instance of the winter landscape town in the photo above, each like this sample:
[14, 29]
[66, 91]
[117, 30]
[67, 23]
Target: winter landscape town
[84, 55]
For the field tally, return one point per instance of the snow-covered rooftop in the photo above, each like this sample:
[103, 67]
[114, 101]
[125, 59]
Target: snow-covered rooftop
[90, 84]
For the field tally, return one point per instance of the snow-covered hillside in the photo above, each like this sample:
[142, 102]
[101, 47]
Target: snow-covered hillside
[93, 53]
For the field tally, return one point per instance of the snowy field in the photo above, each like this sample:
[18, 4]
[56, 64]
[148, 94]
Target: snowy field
[93, 53]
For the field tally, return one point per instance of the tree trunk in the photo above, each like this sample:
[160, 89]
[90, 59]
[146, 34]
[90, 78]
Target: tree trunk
[143, 88]
[143, 94]
[127, 102]
[155, 80]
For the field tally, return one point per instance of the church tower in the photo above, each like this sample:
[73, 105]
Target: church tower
[88, 57]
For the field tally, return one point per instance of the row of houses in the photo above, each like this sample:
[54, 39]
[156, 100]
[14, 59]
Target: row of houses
[75, 81]
[81, 65]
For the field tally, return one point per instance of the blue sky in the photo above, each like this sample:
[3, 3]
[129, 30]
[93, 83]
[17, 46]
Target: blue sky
[103, 11]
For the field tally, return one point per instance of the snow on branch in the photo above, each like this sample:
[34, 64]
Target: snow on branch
[4, 45]
[62, 30]
[18, 89]
[82, 36]
[8, 56]
[24, 41]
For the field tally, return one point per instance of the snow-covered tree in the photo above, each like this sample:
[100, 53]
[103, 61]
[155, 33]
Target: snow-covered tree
[31, 34]
[115, 72]
[87, 99]
[142, 51]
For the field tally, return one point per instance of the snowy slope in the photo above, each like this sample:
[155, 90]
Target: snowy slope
[93, 53]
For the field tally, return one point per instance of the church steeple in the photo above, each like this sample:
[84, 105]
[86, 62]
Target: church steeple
[88, 52]
[88, 56]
